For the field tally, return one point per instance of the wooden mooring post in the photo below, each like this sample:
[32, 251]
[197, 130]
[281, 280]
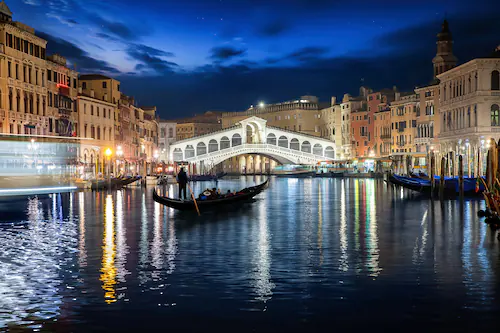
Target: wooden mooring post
[441, 179]
[432, 166]
[461, 176]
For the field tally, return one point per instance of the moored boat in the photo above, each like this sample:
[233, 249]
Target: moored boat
[242, 196]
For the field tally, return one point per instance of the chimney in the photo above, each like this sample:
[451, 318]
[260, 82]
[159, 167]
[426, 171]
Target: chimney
[334, 100]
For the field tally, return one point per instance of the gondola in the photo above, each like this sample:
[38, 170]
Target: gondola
[451, 185]
[242, 196]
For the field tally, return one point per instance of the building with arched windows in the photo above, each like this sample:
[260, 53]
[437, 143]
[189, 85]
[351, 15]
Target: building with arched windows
[469, 106]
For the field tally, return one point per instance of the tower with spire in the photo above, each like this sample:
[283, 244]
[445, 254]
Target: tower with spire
[444, 59]
[5, 13]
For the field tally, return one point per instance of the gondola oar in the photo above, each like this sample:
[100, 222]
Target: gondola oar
[194, 199]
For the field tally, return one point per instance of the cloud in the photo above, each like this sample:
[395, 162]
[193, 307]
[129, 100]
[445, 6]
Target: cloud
[224, 53]
[151, 60]
[32, 2]
[117, 29]
[68, 22]
[83, 61]
[308, 53]
[274, 28]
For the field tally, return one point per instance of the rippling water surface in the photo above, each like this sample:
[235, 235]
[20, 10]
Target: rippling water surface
[324, 253]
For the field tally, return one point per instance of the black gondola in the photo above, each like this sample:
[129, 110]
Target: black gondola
[243, 195]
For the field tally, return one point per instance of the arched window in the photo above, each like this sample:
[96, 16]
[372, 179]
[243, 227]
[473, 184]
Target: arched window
[318, 149]
[201, 149]
[494, 115]
[271, 139]
[213, 146]
[224, 143]
[329, 152]
[495, 80]
[306, 147]
[177, 155]
[236, 140]
[98, 133]
[294, 144]
[92, 132]
[11, 100]
[85, 130]
[189, 151]
[283, 142]
[170, 132]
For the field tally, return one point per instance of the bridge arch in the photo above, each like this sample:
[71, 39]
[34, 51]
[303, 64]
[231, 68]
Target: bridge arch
[236, 140]
[189, 152]
[271, 139]
[213, 145]
[201, 149]
[225, 143]
[294, 144]
[178, 155]
[330, 152]
[306, 147]
[318, 149]
[283, 141]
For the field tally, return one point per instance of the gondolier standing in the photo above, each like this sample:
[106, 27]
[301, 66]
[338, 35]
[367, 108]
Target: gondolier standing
[182, 179]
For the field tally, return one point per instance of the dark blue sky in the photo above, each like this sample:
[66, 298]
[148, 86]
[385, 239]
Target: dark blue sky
[189, 56]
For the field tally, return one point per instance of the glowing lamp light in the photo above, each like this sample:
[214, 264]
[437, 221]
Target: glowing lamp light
[262, 104]
[108, 152]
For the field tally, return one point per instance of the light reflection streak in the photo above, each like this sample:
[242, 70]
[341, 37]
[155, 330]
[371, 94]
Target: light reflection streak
[108, 269]
[320, 226]
[156, 247]
[419, 249]
[262, 276]
[344, 262]
[143, 245]
[372, 244]
[171, 250]
[82, 252]
[121, 240]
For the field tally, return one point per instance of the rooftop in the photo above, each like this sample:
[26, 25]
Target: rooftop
[94, 77]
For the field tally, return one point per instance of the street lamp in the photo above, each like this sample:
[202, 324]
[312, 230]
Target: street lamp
[262, 104]
[108, 152]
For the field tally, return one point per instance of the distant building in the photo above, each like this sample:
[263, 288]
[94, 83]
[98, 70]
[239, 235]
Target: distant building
[166, 137]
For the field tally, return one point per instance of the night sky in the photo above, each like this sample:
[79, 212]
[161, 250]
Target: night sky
[190, 56]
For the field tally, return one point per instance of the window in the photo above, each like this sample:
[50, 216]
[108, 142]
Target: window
[104, 85]
[495, 80]
[17, 71]
[98, 111]
[91, 110]
[84, 85]
[9, 68]
[414, 123]
[55, 77]
[495, 109]
[118, 88]
[170, 132]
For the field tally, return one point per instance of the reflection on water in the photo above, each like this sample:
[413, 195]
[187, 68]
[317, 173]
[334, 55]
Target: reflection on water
[108, 270]
[286, 254]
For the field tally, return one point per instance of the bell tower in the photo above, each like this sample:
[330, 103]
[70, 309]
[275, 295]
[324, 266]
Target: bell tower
[444, 59]
[5, 13]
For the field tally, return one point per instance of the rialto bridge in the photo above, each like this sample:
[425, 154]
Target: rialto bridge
[252, 136]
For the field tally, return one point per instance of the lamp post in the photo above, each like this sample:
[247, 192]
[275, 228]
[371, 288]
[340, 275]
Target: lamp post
[119, 154]
[108, 154]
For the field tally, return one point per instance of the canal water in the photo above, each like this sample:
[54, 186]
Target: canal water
[334, 254]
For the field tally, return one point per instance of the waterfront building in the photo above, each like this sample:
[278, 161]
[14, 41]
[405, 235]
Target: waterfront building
[403, 123]
[62, 94]
[166, 138]
[208, 122]
[96, 128]
[23, 81]
[331, 120]
[148, 135]
[353, 110]
[469, 107]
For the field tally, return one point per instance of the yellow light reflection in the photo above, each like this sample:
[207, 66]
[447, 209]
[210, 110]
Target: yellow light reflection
[108, 269]
[344, 263]
[82, 252]
[263, 284]
[320, 226]
[372, 244]
[156, 250]
[121, 241]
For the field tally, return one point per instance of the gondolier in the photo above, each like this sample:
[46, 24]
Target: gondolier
[182, 179]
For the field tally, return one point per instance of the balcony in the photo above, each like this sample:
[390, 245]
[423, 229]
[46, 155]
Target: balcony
[65, 113]
[385, 137]
[401, 129]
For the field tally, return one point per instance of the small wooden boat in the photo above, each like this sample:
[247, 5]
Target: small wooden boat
[242, 196]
